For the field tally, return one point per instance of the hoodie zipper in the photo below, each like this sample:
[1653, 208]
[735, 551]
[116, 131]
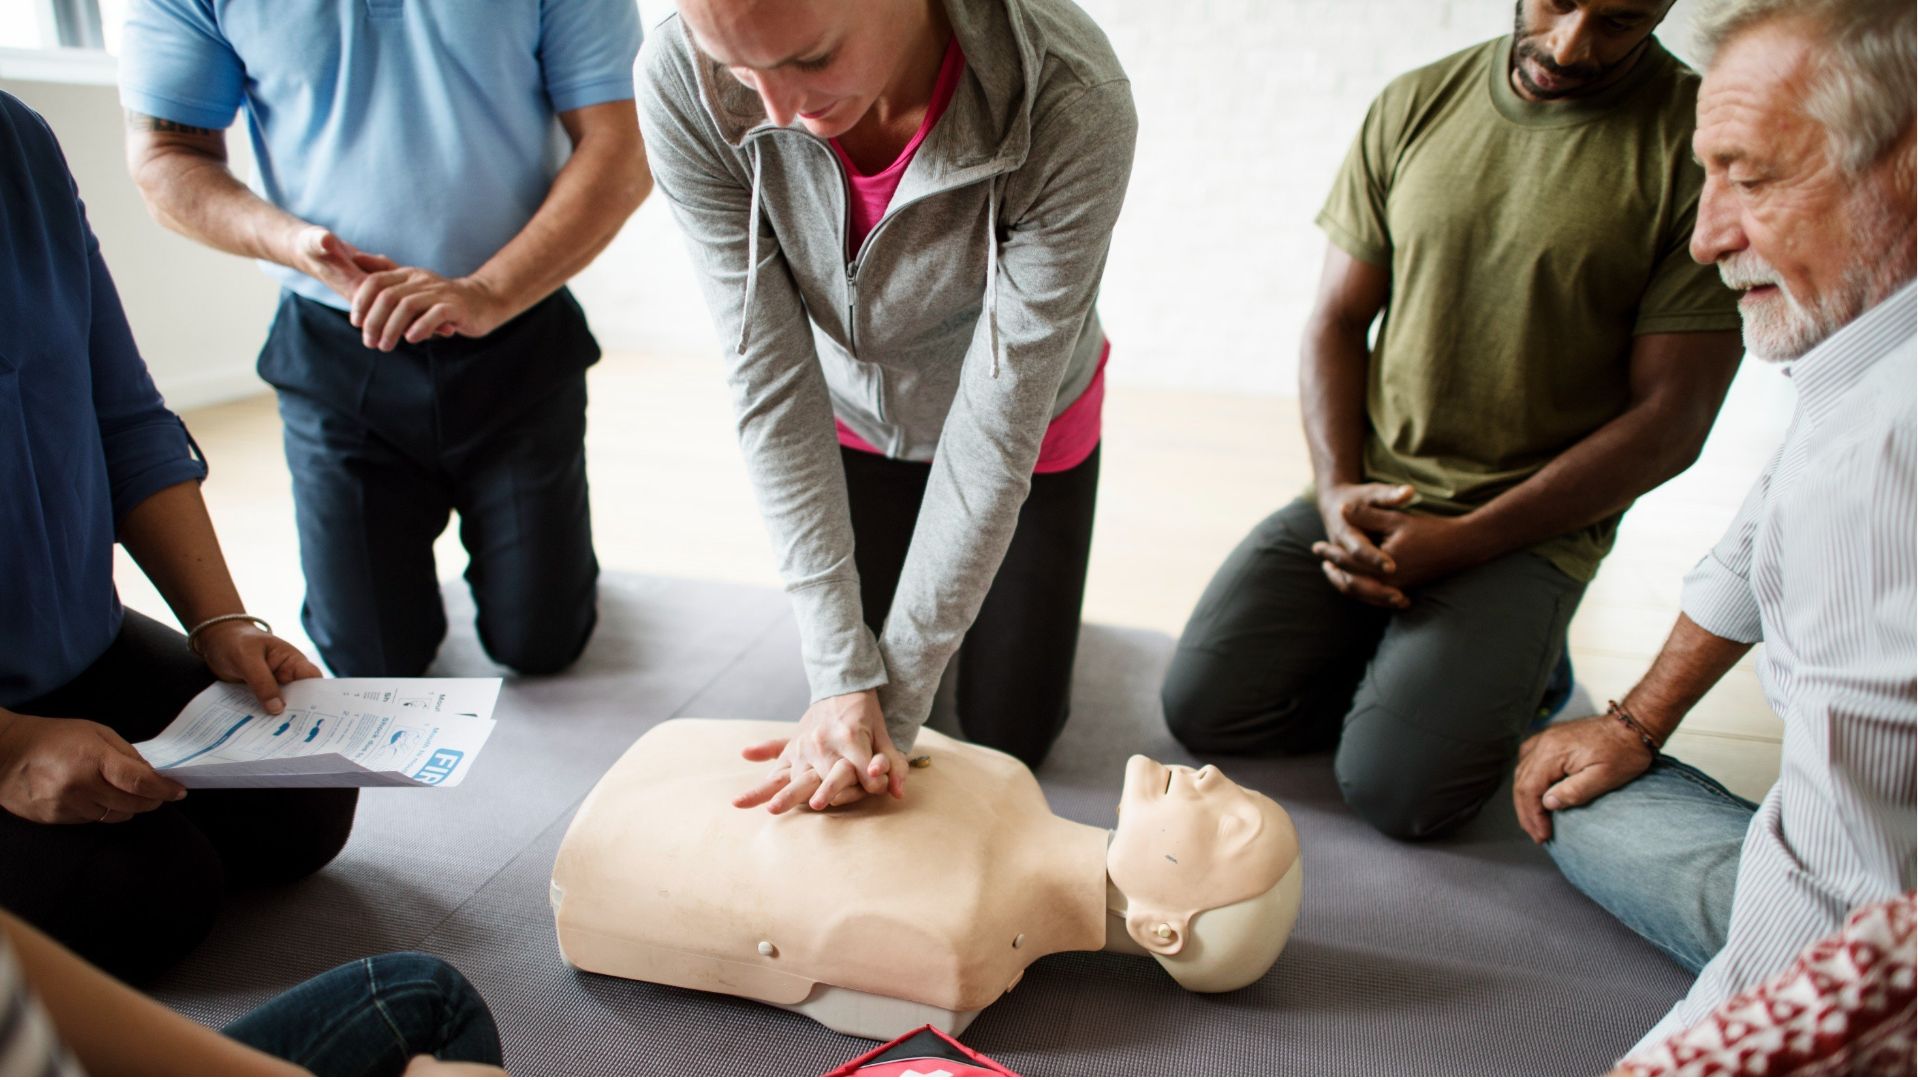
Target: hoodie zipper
[846, 224]
[853, 293]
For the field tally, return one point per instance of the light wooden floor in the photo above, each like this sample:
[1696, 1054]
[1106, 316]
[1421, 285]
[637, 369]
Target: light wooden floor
[1183, 477]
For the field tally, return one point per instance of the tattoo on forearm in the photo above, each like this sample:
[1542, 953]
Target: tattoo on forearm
[143, 122]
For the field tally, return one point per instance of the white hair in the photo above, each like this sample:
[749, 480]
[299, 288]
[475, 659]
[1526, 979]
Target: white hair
[1863, 92]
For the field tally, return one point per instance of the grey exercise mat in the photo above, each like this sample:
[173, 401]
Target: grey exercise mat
[1467, 956]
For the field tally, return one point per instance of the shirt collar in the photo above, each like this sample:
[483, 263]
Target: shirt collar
[1831, 368]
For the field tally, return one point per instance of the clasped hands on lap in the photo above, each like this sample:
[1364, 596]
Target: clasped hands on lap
[840, 755]
[1375, 552]
[68, 771]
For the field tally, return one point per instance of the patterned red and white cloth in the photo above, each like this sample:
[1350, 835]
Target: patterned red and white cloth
[1845, 1007]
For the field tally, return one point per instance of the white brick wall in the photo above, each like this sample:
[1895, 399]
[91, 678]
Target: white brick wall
[1246, 109]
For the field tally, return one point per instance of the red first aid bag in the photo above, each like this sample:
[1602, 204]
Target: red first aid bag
[924, 1051]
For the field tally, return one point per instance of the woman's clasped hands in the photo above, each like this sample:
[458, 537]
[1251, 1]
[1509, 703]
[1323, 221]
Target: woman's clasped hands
[840, 755]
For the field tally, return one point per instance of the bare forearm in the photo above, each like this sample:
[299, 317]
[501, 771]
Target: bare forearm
[183, 176]
[1333, 399]
[172, 538]
[1596, 477]
[1333, 366]
[117, 1031]
[1676, 383]
[1689, 665]
[591, 198]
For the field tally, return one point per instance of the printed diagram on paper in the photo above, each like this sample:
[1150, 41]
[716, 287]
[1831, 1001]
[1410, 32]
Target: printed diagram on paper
[333, 733]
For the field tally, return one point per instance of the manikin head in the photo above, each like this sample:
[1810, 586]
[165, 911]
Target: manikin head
[1806, 131]
[1210, 872]
[823, 61]
[1572, 48]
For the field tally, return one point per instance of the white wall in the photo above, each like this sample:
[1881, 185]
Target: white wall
[1246, 109]
[198, 315]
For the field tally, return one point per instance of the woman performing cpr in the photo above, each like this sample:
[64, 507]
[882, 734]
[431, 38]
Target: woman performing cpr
[899, 211]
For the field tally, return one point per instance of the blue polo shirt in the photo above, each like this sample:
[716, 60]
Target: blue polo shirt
[423, 130]
[84, 436]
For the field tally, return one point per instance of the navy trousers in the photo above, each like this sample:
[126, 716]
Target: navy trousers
[383, 447]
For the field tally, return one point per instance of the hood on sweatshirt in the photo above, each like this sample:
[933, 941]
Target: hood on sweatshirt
[1003, 74]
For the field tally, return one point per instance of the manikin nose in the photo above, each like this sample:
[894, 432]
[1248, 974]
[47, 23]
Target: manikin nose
[1188, 781]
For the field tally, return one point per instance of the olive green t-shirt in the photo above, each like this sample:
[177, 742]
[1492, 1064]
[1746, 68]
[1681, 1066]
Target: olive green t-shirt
[1529, 243]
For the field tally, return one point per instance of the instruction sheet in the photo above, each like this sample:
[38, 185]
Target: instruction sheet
[333, 733]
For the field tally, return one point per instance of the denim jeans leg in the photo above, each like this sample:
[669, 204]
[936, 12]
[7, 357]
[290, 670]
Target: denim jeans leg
[370, 1017]
[1661, 855]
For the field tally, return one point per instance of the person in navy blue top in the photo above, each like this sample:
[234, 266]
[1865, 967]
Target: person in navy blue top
[99, 850]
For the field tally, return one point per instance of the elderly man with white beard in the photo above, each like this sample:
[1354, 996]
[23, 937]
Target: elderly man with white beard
[1806, 131]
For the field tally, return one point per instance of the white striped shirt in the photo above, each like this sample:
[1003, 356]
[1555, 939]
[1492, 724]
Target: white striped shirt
[28, 1044]
[1819, 565]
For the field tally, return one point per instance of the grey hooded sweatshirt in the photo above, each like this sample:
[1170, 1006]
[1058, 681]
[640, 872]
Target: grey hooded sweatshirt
[963, 324]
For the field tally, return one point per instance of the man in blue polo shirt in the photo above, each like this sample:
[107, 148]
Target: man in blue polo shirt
[96, 848]
[416, 203]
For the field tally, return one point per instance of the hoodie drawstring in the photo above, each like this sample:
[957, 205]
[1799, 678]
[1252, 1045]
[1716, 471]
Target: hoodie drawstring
[993, 274]
[753, 256]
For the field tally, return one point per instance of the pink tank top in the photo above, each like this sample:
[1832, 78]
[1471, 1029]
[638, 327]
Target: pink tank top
[1072, 435]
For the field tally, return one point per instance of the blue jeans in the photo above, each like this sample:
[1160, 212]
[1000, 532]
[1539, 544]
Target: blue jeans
[1661, 855]
[370, 1017]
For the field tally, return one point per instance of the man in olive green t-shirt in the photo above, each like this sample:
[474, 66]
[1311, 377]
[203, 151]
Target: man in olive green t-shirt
[1520, 213]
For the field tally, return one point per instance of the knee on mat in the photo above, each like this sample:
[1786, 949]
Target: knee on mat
[1403, 804]
[408, 659]
[537, 649]
[136, 911]
[451, 1021]
[316, 830]
[1193, 715]
[156, 936]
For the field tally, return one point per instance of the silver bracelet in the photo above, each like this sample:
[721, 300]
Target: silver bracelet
[193, 635]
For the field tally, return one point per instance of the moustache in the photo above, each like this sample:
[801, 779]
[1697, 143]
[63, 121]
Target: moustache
[1747, 271]
[1577, 71]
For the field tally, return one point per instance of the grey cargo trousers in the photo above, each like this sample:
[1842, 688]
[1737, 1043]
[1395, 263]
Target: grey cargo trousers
[1427, 706]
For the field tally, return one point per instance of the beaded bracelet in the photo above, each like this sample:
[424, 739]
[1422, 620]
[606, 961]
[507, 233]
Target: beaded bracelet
[1619, 712]
[193, 635]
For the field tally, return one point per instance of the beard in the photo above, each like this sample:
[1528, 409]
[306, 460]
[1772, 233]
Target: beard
[1577, 78]
[1783, 327]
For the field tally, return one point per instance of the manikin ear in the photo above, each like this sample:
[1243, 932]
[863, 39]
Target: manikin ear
[1157, 932]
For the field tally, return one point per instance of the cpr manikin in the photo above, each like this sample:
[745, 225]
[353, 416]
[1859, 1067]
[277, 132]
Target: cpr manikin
[888, 914]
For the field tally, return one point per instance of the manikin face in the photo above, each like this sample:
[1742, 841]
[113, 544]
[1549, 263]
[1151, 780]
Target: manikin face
[823, 61]
[1569, 48]
[1189, 840]
[1811, 246]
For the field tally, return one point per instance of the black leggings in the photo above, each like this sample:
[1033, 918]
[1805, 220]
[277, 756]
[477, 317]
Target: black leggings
[1016, 663]
[134, 897]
